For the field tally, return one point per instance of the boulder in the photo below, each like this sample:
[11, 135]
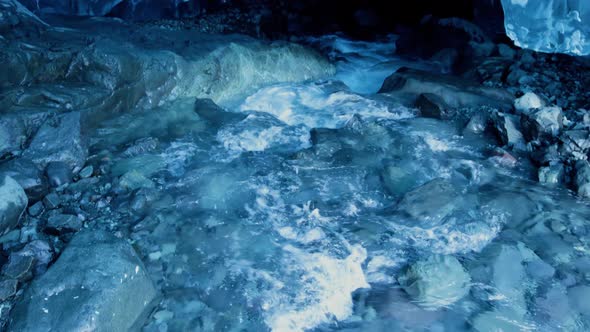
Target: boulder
[436, 282]
[527, 102]
[433, 106]
[430, 203]
[576, 142]
[97, 284]
[28, 176]
[61, 139]
[13, 202]
[508, 130]
[542, 124]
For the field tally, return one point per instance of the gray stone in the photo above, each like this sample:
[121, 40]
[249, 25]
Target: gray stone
[478, 123]
[28, 175]
[13, 202]
[52, 201]
[436, 282]
[542, 124]
[430, 203]
[508, 130]
[86, 172]
[41, 251]
[36, 209]
[18, 267]
[64, 223]
[58, 173]
[60, 138]
[12, 135]
[98, 284]
[433, 106]
[8, 288]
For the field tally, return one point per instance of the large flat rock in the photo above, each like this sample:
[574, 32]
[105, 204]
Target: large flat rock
[97, 284]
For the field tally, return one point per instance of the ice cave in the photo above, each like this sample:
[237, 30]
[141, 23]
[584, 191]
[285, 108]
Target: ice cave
[294, 166]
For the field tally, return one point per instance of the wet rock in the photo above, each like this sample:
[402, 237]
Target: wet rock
[582, 178]
[408, 84]
[28, 175]
[86, 172]
[433, 106]
[552, 175]
[478, 123]
[576, 143]
[58, 173]
[52, 201]
[508, 131]
[18, 267]
[98, 283]
[133, 180]
[430, 203]
[493, 321]
[12, 135]
[578, 298]
[542, 124]
[8, 288]
[527, 102]
[42, 253]
[63, 223]
[436, 282]
[61, 139]
[13, 202]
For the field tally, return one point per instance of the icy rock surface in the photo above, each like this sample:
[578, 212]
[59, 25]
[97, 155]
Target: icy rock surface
[561, 26]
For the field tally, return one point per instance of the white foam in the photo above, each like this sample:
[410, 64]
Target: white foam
[312, 107]
[324, 293]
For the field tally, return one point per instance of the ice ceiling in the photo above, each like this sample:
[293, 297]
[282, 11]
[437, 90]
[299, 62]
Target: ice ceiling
[543, 25]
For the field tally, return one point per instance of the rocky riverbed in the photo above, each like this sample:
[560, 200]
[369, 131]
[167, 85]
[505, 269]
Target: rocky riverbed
[160, 178]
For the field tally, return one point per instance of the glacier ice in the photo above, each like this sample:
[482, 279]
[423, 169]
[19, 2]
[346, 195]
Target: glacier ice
[561, 26]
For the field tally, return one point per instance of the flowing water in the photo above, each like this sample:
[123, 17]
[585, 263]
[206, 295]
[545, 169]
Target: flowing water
[301, 206]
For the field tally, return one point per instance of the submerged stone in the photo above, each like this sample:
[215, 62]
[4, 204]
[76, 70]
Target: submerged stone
[436, 282]
[58, 173]
[13, 202]
[18, 267]
[98, 283]
[430, 203]
[64, 223]
[8, 288]
[433, 106]
[28, 175]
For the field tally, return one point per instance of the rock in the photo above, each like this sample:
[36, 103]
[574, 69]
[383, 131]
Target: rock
[86, 172]
[494, 321]
[28, 175]
[12, 135]
[52, 201]
[41, 251]
[508, 131]
[98, 283]
[506, 51]
[552, 175]
[527, 102]
[576, 142]
[582, 178]
[436, 282]
[578, 298]
[19, 267]
[477, 124]
[433, 106]
[542, 124]
[63, 223]
[58, 173]
[133, 180]
[60, 138]
[430, 203]
[8, 288]
[36, 209]
[13, 202]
